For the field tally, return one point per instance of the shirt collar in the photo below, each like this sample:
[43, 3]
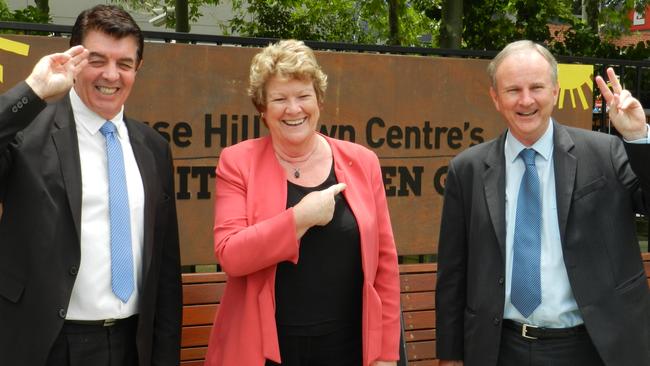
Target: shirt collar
[543, 146]
[90, 120]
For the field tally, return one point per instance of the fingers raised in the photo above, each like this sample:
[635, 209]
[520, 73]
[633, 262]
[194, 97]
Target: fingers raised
[604, 90]
[75, 51]
[613, 80]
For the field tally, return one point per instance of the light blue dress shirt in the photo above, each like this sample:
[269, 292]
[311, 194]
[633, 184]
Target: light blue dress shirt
[558, 308]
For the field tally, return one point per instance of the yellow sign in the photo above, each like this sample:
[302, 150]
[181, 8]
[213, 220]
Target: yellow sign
[573, 78]
[14, 47]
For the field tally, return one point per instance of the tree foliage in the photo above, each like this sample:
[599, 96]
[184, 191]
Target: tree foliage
[168, 6]
[490, 25]
[484, 25]
[29, 14]
[356, 21]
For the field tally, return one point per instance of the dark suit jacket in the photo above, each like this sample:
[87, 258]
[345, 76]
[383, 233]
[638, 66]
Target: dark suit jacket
[598, 191]
[40, 190]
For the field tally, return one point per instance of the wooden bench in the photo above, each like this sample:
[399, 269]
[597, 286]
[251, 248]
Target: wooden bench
[201, 296]
[202, 293]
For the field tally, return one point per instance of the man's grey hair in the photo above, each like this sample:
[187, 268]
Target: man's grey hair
[521, 46]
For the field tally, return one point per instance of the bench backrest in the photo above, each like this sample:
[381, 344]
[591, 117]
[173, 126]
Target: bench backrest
[201, 297]
[202, 293]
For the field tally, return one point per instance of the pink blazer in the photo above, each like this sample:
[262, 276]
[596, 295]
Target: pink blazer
[253, 231]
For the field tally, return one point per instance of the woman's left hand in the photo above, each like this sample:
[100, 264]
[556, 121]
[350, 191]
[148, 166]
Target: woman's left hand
[384, 363]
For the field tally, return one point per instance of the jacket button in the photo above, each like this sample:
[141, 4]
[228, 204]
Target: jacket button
[62, 313]
[74, 270]
[14, 109]
[19, 104]
[496, 321]
[24, 100]
[501, 280]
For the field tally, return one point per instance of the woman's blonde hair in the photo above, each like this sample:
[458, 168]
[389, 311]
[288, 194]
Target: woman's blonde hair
[286, 59]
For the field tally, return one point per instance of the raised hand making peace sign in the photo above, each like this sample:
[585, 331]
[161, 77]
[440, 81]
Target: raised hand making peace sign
[625, 111]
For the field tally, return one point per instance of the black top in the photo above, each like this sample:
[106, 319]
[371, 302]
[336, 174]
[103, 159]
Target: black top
[322, 292]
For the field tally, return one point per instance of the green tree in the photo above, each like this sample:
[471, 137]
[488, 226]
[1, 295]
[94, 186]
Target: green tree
[43, 6]
[451, 24]
[490, 25]
[181, 13]
[30, 14]
[187, 11]
[605, 21]
[354, 21]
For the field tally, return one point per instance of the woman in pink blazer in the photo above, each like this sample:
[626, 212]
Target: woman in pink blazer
[302, 229]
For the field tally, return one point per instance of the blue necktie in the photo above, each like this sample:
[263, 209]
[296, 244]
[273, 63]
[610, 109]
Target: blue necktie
[120, 216]
[526, 292]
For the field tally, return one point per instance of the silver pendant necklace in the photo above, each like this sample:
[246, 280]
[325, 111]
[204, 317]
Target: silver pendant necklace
[296, 169]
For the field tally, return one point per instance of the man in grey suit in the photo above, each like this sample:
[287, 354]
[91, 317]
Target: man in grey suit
[89, 249]
[538, 260]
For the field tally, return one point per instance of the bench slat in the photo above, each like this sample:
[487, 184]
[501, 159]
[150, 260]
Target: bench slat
[203, 293]
[421, 350]
[418, 301]
[419, 320]
[195, 336]
[193, 353]
[418, 268]
[209, 277]
[424, 363]
[420, 335]
[417, 282]
[199, 314]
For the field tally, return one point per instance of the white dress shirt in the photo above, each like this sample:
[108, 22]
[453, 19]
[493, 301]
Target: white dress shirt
[92, 297]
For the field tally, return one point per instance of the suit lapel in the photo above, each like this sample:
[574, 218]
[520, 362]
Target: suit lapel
[146, 163]
[67, 147]
[494, 178]
[565, 173]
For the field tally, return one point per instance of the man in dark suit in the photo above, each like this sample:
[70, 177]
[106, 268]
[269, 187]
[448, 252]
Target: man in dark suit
[538, 260]
[89, 252]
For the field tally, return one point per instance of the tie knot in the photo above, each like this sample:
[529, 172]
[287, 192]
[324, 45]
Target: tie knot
[529, 156]
[108, 128]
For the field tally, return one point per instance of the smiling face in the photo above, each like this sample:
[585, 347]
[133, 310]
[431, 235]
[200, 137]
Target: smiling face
[106, 82]
[291, 113]
[525, 94]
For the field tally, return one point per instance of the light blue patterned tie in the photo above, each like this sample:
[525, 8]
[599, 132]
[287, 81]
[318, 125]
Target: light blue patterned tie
[120, 215]
[526, 292]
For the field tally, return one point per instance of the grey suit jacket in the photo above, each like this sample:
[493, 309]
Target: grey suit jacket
[40, 191]
[598, 191]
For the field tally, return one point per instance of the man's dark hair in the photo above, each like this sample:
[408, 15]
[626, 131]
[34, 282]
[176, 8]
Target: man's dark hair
[108, 19]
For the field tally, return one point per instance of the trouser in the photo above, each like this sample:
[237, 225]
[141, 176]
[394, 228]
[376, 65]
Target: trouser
[341, 348]
[85, 344]
[570, 350]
